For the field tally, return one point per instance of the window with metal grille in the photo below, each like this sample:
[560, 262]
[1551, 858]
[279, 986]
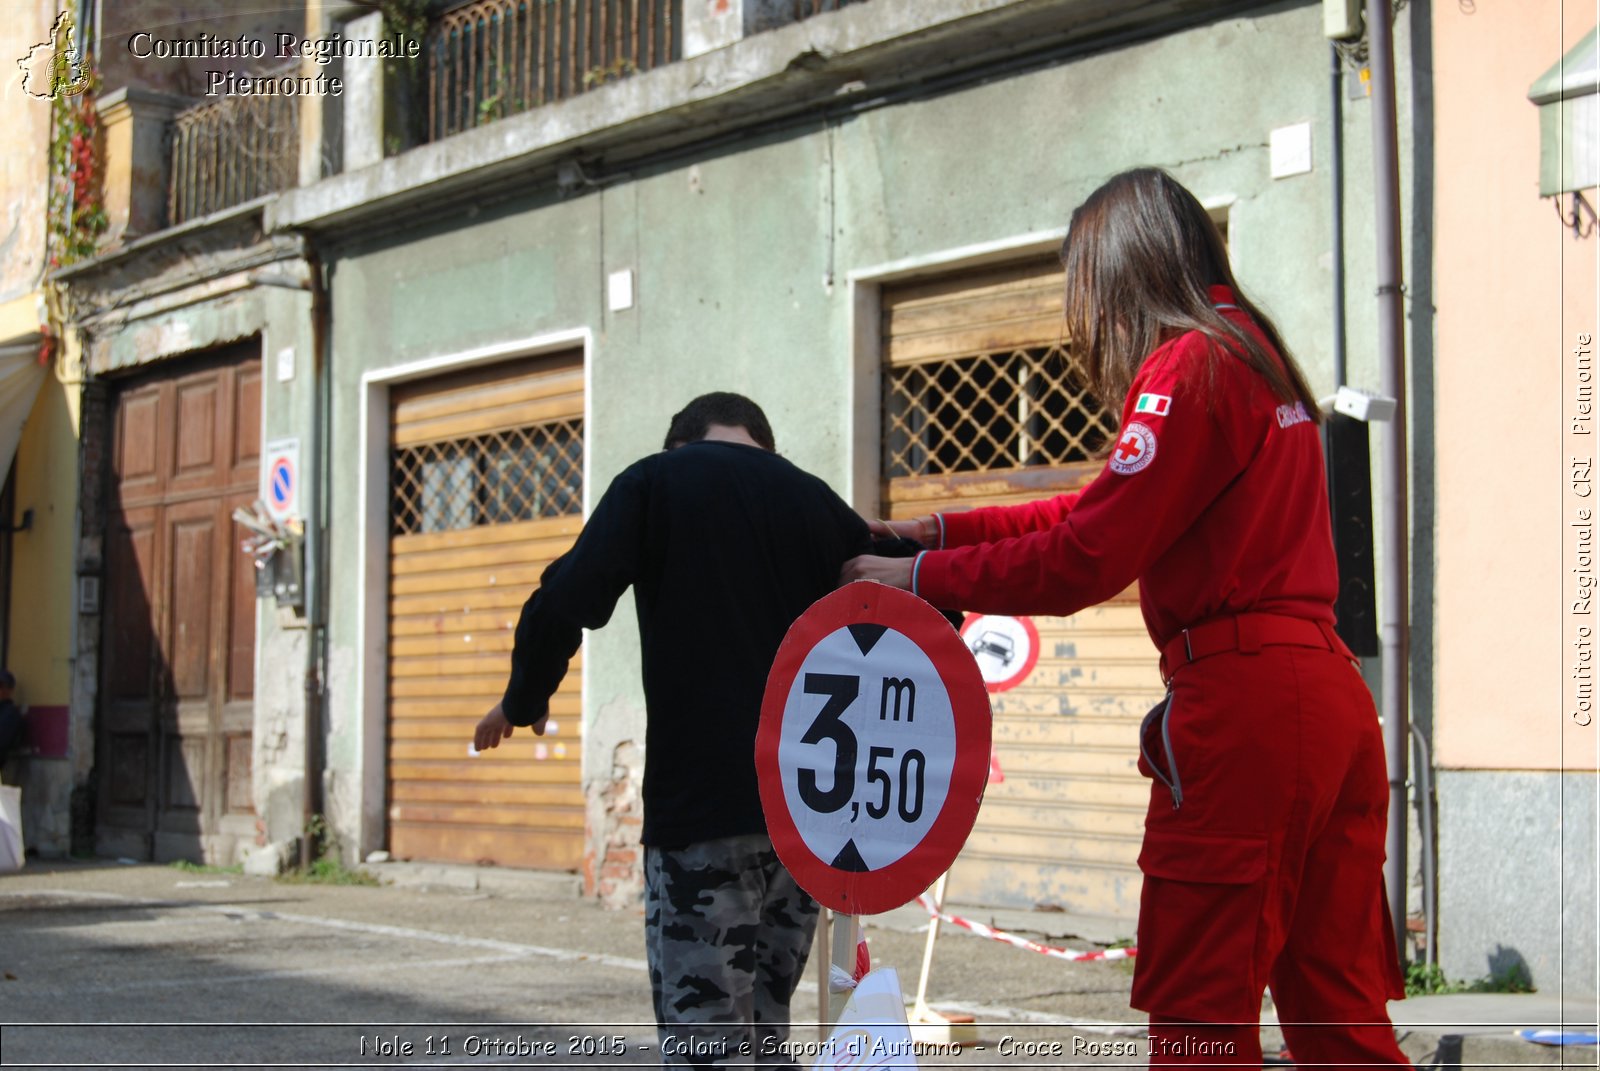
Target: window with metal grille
[520, 474]
[990, 412]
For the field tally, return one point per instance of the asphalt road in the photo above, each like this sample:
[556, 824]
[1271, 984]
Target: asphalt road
[153, 966]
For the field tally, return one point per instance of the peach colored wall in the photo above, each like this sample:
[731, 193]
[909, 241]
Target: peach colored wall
[1514, 290]
[24, 141]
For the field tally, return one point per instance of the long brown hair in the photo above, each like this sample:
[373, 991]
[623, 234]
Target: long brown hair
[1140, 256]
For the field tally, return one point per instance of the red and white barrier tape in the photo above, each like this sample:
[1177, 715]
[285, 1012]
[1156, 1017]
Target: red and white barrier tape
[1022, 942]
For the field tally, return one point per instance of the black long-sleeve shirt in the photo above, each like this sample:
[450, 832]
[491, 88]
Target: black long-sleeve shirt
[724, 545]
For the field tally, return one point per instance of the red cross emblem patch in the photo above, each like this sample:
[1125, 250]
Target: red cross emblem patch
[1135, 449]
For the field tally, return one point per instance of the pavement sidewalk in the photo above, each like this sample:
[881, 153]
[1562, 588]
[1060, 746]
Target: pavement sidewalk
[1464, 1030]
[86, 944]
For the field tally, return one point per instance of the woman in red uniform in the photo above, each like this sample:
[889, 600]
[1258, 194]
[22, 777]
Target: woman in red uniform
[1264, 839]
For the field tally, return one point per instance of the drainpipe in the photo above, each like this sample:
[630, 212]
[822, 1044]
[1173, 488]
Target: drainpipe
[1395, 615]
[315, 549]
[1336, 166]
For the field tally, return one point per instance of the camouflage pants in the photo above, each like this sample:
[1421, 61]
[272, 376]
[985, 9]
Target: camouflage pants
[727, 932]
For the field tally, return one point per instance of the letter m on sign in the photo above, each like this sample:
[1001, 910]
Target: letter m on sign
[896, 687]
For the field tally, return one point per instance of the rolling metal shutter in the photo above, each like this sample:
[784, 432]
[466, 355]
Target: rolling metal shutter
[980, 408]
[486, 489]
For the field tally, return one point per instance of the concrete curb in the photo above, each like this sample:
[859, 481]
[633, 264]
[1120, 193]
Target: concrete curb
[1480, 1029]
[517, 884]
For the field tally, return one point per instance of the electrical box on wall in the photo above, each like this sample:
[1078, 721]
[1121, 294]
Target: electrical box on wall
[1341, 19]
[280, 575]
[287, 568]
[277, 550]
[1569, 118]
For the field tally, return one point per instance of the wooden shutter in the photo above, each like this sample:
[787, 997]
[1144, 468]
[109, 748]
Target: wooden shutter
[1063, 827]
[486, 490]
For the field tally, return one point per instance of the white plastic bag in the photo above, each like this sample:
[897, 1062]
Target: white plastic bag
[10, 828]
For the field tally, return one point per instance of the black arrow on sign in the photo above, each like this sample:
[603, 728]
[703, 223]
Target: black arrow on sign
[867, 635]
[850, 859]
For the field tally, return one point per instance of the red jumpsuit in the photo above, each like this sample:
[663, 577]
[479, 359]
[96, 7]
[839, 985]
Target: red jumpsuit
[1264, 838]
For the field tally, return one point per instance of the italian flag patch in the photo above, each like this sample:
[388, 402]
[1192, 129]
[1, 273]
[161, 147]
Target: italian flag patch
[1154, 404]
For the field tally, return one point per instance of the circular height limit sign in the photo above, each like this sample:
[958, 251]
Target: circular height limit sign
[873, 748]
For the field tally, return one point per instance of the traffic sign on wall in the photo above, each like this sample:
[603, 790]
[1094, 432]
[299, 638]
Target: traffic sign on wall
[873, 748]
[1007, 648]
[280, 479]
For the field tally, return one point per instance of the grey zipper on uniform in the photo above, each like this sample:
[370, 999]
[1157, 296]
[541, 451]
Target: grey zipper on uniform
[1163, 710]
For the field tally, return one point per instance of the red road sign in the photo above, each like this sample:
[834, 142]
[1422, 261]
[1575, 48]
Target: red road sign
[1007, 648]
[873, 748]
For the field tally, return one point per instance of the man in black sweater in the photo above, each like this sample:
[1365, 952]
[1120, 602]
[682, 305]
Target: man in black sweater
[725, 543]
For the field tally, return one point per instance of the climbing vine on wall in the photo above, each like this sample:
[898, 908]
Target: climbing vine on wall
[406, 121]
[76, 201]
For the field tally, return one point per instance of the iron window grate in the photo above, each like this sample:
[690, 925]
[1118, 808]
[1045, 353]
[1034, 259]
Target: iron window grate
[994, 412]
[520, 474]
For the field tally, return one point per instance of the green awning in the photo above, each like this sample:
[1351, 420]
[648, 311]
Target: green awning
[1569, 119]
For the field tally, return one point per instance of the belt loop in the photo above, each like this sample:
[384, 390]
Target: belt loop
[1188, 648]
[1249, 634]
[1336, 644]
[1329, 637]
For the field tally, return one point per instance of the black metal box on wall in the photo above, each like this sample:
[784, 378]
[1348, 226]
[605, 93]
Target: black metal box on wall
[1350, 504]
[280, 575]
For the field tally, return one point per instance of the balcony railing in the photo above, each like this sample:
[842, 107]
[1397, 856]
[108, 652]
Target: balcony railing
[230, 151]
[804, 9]
[493, 58]
[488, 59]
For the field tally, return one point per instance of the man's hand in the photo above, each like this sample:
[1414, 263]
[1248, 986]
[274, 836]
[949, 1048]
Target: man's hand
[494, 728]
[909, 528]
[896, 572]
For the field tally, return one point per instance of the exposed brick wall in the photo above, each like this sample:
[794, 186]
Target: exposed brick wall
[613, 865]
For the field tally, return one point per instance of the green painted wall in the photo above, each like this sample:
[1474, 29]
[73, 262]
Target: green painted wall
[733, 253]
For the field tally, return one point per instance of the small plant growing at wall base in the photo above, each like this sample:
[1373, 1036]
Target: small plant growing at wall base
[1427, 979]
[327, 868]
[186, 867]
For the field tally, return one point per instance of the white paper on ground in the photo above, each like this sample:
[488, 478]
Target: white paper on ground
[10, 828]
[872, 1032]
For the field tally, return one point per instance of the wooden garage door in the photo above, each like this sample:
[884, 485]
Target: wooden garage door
[486, 490]
[981, 407]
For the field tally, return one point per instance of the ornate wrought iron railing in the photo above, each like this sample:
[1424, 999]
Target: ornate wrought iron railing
[488, 59]
[492, 58]
[232, 150]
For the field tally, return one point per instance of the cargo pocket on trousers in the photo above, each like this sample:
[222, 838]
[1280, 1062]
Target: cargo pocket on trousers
[1199, 918]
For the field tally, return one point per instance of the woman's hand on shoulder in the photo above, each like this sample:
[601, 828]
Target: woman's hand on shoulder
[923, 529]
[896, 572]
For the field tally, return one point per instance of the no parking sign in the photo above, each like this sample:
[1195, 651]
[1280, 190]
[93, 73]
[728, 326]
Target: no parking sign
[873, 748]
[280, 479]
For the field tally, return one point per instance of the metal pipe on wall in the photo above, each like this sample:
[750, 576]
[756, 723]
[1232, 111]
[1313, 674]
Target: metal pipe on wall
[1425, 829]
[1336, 170]
[1395, 577]
[315, 550]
